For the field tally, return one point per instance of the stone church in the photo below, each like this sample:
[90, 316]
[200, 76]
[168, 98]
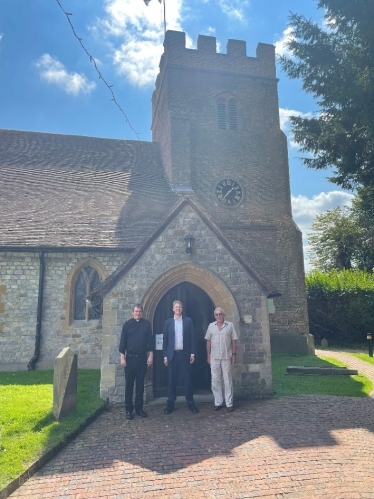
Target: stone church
[91, 226]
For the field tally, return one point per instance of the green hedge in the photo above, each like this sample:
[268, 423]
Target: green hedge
[341, 305]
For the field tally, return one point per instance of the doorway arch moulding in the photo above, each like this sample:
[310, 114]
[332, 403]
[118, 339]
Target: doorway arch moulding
[213, 286]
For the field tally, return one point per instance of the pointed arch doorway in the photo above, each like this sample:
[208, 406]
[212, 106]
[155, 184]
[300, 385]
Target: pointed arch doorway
[197, 305]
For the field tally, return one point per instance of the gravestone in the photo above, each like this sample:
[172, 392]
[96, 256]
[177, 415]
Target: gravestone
[65, 383]
[324, 343]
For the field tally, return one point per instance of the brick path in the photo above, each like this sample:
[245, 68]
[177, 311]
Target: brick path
[309, 447]
[351, 361]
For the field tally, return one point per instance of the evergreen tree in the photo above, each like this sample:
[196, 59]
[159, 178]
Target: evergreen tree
[336, 65]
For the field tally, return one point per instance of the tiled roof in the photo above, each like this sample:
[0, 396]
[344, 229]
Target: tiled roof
[61, 191]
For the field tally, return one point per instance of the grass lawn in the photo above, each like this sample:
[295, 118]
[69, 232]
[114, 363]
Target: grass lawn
[28, 427]
[364, 356]
[285, 384]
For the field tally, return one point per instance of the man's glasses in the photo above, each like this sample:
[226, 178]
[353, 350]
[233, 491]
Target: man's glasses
[219, 313]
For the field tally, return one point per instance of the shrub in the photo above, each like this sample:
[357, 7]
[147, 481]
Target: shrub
[341, 305]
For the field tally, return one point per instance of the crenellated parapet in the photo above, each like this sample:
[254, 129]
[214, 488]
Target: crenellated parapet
[206, 57]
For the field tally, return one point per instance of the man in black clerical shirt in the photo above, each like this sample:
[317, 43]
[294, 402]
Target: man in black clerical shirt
[136, 342]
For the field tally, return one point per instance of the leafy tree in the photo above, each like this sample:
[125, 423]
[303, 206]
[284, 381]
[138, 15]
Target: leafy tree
[336, 65]
[362, 213]
[332, 240]
[343, 238]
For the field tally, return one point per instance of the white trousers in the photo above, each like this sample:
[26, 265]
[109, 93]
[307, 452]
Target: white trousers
[222, 369]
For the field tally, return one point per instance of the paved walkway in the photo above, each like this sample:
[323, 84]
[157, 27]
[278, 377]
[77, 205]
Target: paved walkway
[309, 447]
[351, 361]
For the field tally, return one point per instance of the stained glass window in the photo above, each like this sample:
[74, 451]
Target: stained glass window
[87, 281]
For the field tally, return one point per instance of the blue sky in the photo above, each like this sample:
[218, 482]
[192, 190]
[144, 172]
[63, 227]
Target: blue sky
[48, 84]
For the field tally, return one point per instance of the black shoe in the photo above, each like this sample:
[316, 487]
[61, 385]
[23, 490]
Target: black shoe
[141, 413]
[129, 415]
[168, 409]
[193, 409]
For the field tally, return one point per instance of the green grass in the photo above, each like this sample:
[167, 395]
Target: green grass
[28, 427]
[364, 356]
[283, 384]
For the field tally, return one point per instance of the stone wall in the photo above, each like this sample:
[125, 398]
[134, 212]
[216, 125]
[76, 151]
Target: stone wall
[19, 282]
[252, 374]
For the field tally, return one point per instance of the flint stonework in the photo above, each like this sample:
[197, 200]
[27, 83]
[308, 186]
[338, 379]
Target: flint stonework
[65, 383]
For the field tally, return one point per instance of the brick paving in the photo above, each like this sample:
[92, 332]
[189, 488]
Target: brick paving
[351, 361]
[309, 447]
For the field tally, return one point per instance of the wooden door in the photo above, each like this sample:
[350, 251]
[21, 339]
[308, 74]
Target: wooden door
[198, 306]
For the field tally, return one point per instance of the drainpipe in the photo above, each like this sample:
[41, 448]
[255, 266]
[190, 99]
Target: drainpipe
[35, 357]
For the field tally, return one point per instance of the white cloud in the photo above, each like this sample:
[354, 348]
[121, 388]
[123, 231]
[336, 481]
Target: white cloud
[1, 36]
[305, 210]
[52, 71]
[210, 31]
[285, 123]
[135, 33]
[280, 44]
[234, 9]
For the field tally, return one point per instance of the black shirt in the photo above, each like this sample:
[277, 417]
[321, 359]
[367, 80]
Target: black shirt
[136, 337]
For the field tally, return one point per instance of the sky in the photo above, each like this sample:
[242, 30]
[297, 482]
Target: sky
[49, 83]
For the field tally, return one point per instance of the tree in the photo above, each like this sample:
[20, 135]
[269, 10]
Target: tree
[332, 240]
[336, 65]
[343, 238]
[362, 212]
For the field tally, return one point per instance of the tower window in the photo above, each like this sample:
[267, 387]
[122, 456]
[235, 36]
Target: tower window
[221, 114]
[233, 115]
[227, 114]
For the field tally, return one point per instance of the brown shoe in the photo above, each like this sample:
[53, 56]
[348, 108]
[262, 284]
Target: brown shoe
[230, 409]
[217, 407]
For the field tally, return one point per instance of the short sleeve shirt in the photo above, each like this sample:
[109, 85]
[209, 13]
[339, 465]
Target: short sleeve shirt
[221, 340]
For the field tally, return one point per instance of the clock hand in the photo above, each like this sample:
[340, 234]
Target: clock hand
[227, 193]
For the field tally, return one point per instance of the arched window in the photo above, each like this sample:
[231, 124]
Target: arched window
[87, 280]
[227, 114]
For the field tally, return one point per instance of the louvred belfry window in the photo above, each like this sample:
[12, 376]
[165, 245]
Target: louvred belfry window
[233, 115]
[221, 114]
[227, 114]
[87, 281]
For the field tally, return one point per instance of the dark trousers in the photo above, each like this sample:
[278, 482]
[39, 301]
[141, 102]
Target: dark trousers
[179, 364]
[135, 370]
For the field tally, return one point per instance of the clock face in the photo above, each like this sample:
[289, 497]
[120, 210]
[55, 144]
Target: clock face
[229, 192]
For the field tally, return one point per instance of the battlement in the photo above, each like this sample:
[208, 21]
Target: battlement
[206, 56]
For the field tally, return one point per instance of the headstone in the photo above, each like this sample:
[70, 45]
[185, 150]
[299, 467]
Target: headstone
[324, 343]
[65, 383]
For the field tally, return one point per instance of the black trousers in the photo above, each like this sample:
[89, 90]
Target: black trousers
[135, 370]
[180, 363]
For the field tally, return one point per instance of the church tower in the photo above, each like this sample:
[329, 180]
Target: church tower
[216, 118]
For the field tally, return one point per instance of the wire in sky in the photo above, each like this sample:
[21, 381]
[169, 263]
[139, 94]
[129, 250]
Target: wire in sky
[68, 14]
